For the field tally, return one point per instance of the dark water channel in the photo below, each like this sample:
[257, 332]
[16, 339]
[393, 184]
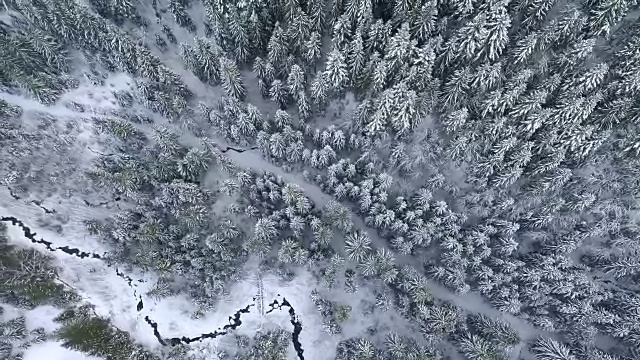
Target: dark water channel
[234, 320]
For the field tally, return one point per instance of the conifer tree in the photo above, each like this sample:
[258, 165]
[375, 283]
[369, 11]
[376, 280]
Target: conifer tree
[548, 349]
[312, 49]
[455, 88]
[425, 22]
[604, 15]
[278, 93]
[406, 109]
[358, 246]
[282, 119]
[269, 72]
[400, 48]
[535, 12]
[378, 37]
[277, 48]
[336, 73]
[204, 59]
[231, 79]
[356, 59]
[259, 67]
[299, 29]
[238, 30]
[179, 11]
[304, 107]
[278, 147]
[319, 89]
[296, 81]
[317, 15]
[498, 25]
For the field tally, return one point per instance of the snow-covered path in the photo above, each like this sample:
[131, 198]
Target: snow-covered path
[33, 105]
[471, 302]
[53, 350]
[95, 99]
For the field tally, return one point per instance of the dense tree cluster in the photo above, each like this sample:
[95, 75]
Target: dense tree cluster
[333, 313]
[118, 10]
[34, 61]
[172, 228]
[29, 280]
[395, 348]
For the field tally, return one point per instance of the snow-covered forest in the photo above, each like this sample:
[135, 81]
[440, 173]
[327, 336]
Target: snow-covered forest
[319, 179]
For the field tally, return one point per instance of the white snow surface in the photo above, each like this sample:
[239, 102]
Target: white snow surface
[10, 312]
[99, 97]
[42, 317]
[33, 105]
[53, 350]
[95, 99]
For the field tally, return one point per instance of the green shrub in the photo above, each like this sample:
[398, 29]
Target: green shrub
[94, 335]
[342, 313]
[28, 280]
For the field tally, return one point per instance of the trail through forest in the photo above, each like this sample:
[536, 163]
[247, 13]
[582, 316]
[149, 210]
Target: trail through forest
[471, 302]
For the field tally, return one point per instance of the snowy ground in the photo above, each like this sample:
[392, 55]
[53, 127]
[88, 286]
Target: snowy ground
[40, 317]
[53, 350]
[43, 317]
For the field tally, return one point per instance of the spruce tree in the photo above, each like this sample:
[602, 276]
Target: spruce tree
[231, 79]
[336, 73]
[296, 81]
[278, 93]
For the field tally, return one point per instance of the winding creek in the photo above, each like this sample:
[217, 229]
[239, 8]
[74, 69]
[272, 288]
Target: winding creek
[234, 321]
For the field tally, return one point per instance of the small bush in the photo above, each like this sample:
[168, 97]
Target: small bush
[342, 313]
